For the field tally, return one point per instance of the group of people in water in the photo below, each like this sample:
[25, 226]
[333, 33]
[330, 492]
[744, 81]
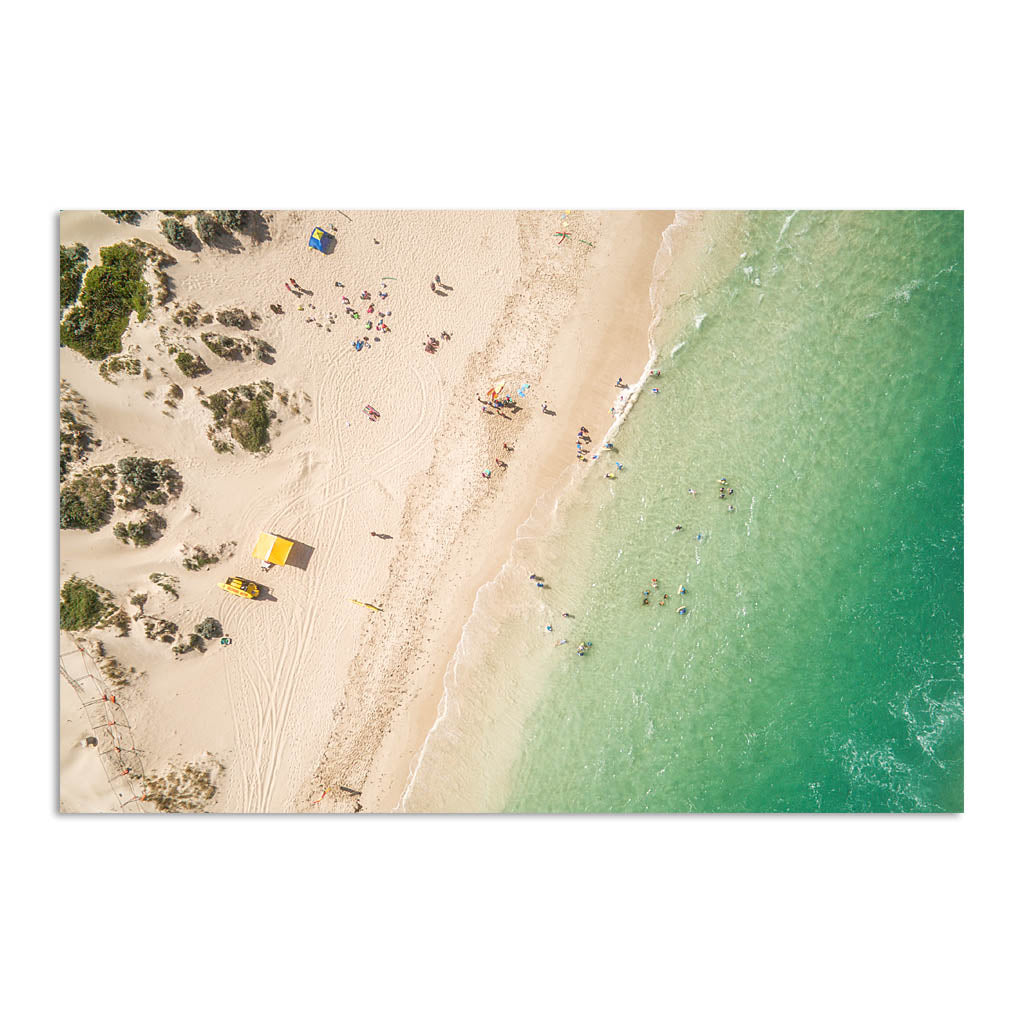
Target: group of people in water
[646, 598]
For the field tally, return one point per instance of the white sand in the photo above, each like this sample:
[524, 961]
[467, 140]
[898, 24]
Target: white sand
[315, 692]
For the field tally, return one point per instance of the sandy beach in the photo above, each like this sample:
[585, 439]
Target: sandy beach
[319, 703]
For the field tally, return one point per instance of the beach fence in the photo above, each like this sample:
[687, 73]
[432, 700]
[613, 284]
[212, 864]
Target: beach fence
[109, 725]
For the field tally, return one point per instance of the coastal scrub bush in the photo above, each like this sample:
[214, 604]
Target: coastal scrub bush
[119, 364]
[194, 643]
[83, 604]
[186, 789]
[176, 233]
[190, 364]
[251, 429]
[165, 582]
[210, 629]
[160, 629]
[85, 500]
[207, 226]
[141, 532]
[234, 318]
[73, 260]
[196, 558]
[187, 316]
[232, 220]
[146, 481]
[128, 216]
[112, 290]
[76, 440]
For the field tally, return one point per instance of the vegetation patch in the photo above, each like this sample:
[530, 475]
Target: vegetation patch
[237, 348]
[176, 233]
[147, 482]
[143, 531]
[85, 500]
[113, 289]
[73, 261]
[193, 643]
[243, 413]
[207, 226]
[196, 557]
[209, 629]
[190, 364]
[186, 789]
[126, 216]
[159, 629]
[232, 220]
[110, 668]
[84, 604]
[235, 318]
[76, 437]
[187, 316]
[167, 583]
[113, 365]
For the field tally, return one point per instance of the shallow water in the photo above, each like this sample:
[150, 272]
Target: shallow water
[819, 666]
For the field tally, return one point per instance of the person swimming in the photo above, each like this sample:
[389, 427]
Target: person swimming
[664, 598]
[678, 528]
[681, 610]
[681, 590]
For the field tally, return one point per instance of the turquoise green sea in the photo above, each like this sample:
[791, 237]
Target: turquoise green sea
[815, 362]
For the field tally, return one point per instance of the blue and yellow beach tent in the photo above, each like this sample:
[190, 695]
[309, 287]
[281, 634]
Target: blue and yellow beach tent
[271, 550]
[317, 239]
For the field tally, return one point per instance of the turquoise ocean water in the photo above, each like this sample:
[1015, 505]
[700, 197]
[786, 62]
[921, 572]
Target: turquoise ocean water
[820, 664]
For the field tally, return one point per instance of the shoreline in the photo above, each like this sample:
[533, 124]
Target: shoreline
[613, 293]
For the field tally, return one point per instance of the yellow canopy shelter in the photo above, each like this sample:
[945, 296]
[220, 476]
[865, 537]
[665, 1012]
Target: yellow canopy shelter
[271, 550]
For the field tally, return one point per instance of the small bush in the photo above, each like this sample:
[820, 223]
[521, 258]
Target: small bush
[119, 364]
[76, 440]
[73, 260]
[207, 226]
[187, 316]
[83, 604]
[186, 789]
[234, 318]
[160, 629]
[210, 629]
[232, 220]
[197, 558]
[176, 233]
[190, 364]
[194, 643]
[127, 216]
[85, 501]
[165, 582]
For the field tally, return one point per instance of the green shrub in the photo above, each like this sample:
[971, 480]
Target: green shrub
[85, 501]
[232, 220]
[190, 364]
[251, 430]
[112, 290]
[207, 226]
[187, 316]
[142, 532]
[160, 629]
[194, 643]
[210, 629]
[165, 582]
[176, 233]
[119, 364]
[76, 440]
[128, 216]
[82, 604]
[198, 558]
[73, 260]
[234, 318]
